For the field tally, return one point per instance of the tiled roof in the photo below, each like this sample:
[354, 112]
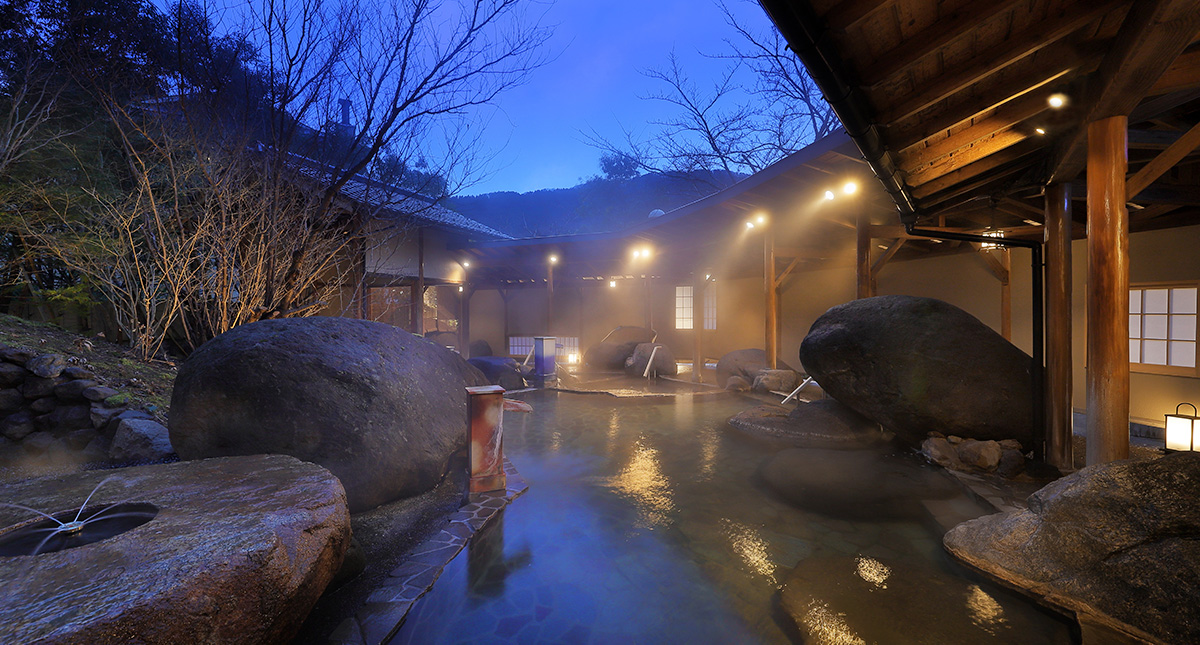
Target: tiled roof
[392, 202]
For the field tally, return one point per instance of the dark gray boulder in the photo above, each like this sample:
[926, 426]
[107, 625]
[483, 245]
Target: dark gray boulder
[11, 374]
[238, 552]
[140, 441]
[618, 346]
[46, 365]
[737, 384]
[35, 387]
[918, 365]
[1117, 542]
[819, 424]
[17, 425]
[746, 363]
[65, 418]
[499, 370]
[480, 348]
[664, 360]
[11, 399]
[769, 380]
[73, 390]
[609, 356]
[855, 483]
[380, 408]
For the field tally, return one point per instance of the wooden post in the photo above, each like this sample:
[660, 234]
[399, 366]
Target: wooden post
[863, 257]
[504, 296]
[1058, 328]
[549, 298]
[417, 297]
[464, 320]
[698, 286]
[772, 304]
[1006, 294]
[1107, 292]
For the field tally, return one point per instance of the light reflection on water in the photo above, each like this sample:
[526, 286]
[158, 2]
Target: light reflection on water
[643, 481]
[644, 523]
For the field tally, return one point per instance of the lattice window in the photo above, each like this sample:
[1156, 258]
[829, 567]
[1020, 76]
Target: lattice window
[683, 307]
[1162, 328]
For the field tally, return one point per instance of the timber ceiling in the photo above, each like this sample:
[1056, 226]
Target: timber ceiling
[950, 99]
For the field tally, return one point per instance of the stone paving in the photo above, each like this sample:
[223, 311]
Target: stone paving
[386, 608]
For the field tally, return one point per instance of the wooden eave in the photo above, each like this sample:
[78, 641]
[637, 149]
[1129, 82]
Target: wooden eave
[950, 97]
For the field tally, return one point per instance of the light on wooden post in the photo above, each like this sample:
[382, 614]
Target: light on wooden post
[487, 438]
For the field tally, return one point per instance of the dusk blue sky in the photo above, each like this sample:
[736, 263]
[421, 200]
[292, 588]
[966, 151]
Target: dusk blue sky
[594, 83]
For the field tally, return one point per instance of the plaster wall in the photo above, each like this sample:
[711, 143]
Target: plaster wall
[394, 252]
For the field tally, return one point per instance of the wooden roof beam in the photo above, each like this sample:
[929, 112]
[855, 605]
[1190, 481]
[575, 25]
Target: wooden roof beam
[1005, 117]
[1153, 34]
[958, 24]
[1163, 162]
[1183, 74]
[966, 155]
[988, 62]
[1042, 85]
[973, 170]
[851, 12]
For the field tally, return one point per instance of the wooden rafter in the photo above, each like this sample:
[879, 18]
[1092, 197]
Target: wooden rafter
[971, 171]
[966, 155]
[1163, 162]
[1045, 37]
[1153, 35]
[960, 23]
[903, 136]
[887, 256]
[1005, 117]
[851, 12]
[1183, 74]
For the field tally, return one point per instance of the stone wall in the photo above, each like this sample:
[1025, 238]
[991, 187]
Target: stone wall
[48, 404]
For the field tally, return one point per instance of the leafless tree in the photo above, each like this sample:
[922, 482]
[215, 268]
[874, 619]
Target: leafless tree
[718, 131]
[28, 103]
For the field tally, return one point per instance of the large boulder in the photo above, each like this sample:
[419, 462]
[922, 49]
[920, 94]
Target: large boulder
[1118, 543]
[499, 370]
[664, 360]
[842, 599]
[918, 365]
[819, 424]
[855, 483]
[746, 363]
[610, 355]
[238, 551]
[480, 348]
[380, 408]
[140, 441]
[769, 380]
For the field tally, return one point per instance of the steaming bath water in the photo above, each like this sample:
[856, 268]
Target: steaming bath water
[645, 521]
[72, 528]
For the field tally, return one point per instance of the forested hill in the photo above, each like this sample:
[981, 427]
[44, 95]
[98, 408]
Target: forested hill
[598, 205]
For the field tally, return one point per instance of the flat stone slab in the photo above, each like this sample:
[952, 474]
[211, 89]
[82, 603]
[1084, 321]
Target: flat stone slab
[820, 424]
[1118, 544]
[239, 551]
[863, 600]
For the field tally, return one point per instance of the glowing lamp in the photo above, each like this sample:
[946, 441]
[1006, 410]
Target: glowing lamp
[1057, 100]
[572, 358]
[612, 283]
[1040, 130]
[1183, 430]
[749, 224]
[460, 289]
[761, 219]
[850, 188]
[829, 195]
[466, 265]
[553, 259]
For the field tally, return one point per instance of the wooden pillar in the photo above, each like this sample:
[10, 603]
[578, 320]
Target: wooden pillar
[1058, 327]
[464, 320]
[772, 297]
[417, 297]
[549, 298]
[1107, 292]
[1006, 294]
[863, 257]
[698, 286]
[504, 296]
